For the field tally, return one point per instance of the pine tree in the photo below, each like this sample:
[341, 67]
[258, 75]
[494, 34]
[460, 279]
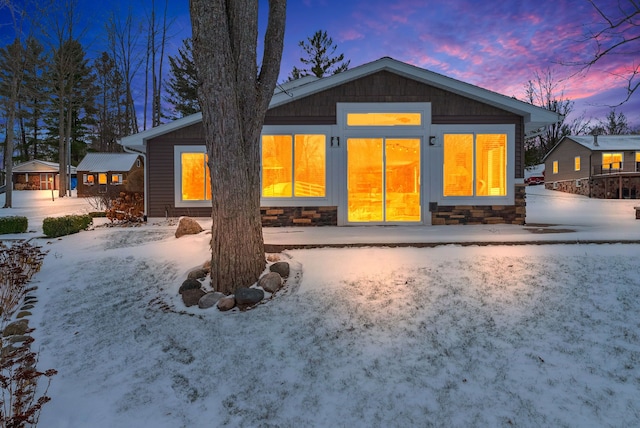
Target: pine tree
[182, 87]
[320, 60]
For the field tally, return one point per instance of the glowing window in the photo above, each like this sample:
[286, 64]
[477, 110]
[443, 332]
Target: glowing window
[637, 156]
[102, 178]
[576, 163]
[384, 119]
[88, 179]
[293, 166]
[491, 165]
[475, 165]
[458, 165]
[116, 178]
[612, 161]
[555, 167]
[196, 182]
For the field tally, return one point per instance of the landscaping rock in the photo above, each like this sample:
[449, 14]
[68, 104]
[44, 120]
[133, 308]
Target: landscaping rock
[197, 274]
[271, 282]
[23, 314]
[209, 300]
[226, 303]
[189, 284]
[188, 226]
[16, 327]
[280, 267]
[192, 297]
[248, 296]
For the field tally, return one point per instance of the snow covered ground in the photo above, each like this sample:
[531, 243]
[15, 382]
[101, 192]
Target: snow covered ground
[528, 335]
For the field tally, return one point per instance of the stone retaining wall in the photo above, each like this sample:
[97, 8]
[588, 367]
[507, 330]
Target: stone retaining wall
[601, 186]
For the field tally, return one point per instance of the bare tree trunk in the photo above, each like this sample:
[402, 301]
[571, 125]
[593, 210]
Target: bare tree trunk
[62, 155]
[234, 100]
[8, 160]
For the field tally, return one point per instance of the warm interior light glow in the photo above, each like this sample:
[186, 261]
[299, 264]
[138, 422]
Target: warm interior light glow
[384, 119]
[196, 182]
[402, 179]
[102, 178]
[612, 161]
[115, 178]
[491, 171]
[383, 179]
[364, 179]
[310, 166]
[458, 165]
[637, 157]
[576, 163]
[555, 167]
[277, 166]
[89, 178]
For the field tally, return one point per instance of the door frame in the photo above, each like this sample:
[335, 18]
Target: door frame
[421, 132]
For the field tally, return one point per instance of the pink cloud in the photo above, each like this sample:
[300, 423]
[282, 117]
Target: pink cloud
[351, 34]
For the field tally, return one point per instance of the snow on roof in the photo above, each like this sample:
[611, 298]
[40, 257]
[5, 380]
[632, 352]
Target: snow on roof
[608, 142]
[104, 162]
[37, 165]
[534, 171]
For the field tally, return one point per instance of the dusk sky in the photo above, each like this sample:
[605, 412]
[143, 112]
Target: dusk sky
[495, 45]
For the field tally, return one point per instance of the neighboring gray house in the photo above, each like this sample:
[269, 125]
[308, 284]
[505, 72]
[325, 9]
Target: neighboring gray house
[601, 166]
[106, 172]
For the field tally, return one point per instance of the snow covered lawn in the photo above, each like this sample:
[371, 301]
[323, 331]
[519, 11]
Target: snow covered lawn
[545, 335]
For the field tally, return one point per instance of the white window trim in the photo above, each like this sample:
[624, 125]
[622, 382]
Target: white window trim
[177, 176]
[85, 180]
[509, 198]
[116, 183]
[300, 201]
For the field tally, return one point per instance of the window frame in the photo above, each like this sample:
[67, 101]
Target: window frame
[610, 167]
[86, 181]
[106, 178]
[120, 178]
[177, 177]
[555, 167]
[509, 197]
[292, 131]
[577, 163]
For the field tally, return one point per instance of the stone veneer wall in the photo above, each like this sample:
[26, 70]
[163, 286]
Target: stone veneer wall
[570, 186]
[490, 214]
[601, 186]
[299, 216]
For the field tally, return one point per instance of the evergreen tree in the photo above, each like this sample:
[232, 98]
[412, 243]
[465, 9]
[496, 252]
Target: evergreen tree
[182, 87]
[73, 104]
[34, 101]
[614, 124]
[321, 59]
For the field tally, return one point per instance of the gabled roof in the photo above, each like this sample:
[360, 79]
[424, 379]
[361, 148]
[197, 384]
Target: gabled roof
[105, 162]
[607, 142]
[534, 117]
[37, 166]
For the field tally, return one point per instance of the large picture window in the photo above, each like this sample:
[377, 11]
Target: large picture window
[475, 165]
[294, 166]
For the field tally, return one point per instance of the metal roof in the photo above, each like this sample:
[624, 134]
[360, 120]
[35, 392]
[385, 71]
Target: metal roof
[105, 162]
[36, 166]
[607, 142]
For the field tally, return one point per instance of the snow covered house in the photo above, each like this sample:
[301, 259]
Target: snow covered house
[106, 172]
[37, 175]
[600, 166]
[382, 143]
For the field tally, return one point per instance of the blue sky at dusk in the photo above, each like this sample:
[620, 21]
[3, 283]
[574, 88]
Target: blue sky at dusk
[495, 45]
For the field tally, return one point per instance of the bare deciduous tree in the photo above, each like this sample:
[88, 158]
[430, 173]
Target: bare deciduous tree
[617, 34]
[234, 96]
